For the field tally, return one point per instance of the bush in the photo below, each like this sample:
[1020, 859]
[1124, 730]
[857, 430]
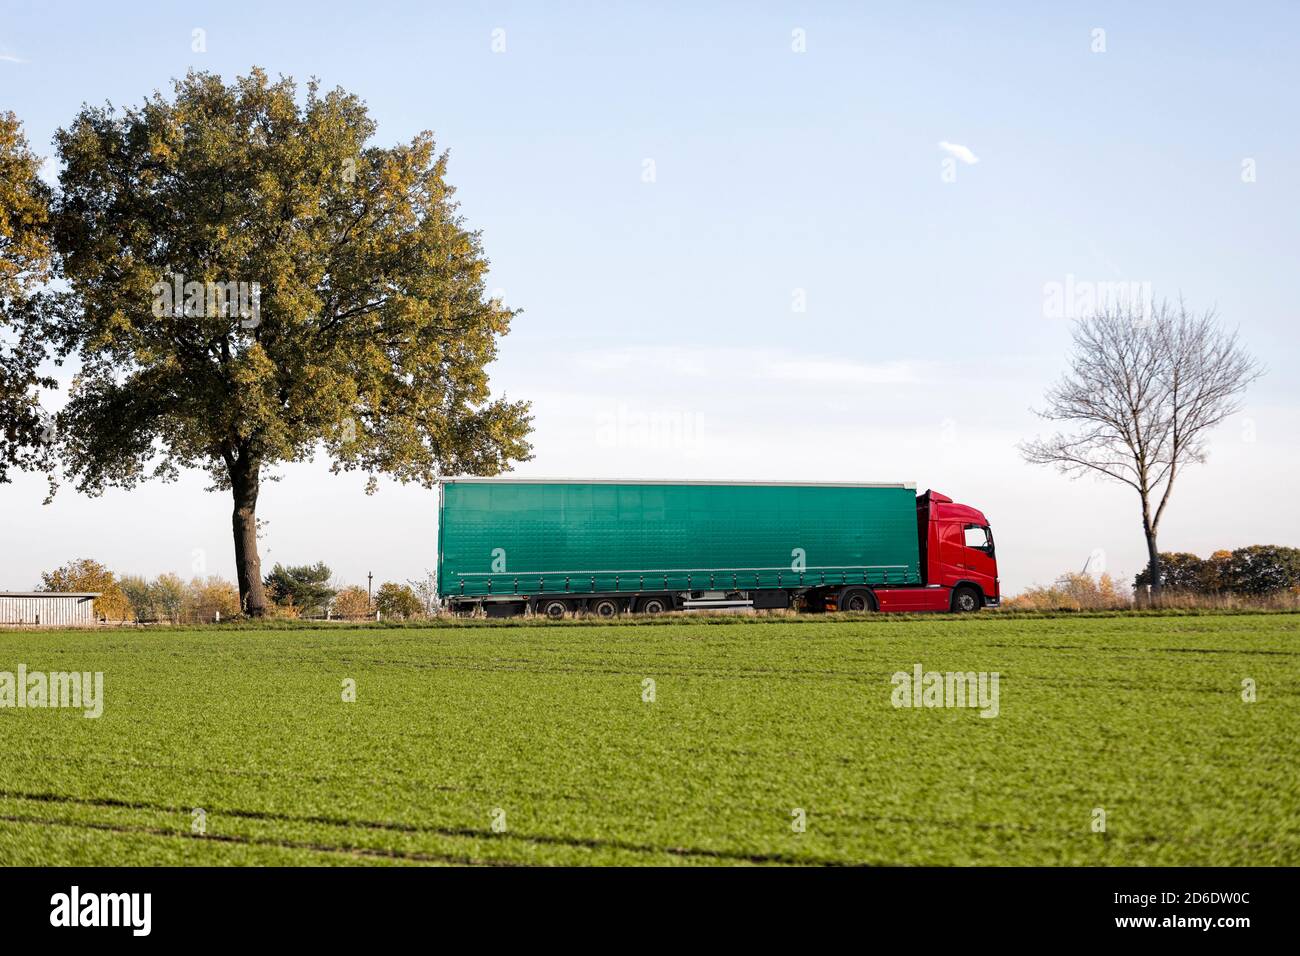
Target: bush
[167, 593]
[87, 575]
[139, 596]
[206, 599]
[352, 602]
[283, 612]
[426, 589]
[1226, 601]
[1073, 592]
[1179, 571]
[1264, 569]
[394, 600]
[167, 598]
[1257, 570]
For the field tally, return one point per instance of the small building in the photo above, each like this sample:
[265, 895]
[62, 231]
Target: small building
[48, 608]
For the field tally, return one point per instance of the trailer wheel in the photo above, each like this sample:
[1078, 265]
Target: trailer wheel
[652, 605]
[965, 599]
[856, 599]
[553, 609]
[603, 607]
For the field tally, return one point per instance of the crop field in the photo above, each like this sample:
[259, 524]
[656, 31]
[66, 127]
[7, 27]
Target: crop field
[666, 743]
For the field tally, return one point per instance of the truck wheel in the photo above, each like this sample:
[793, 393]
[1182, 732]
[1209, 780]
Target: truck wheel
[553, 609]
[603, 607]
[856, 599]
[965, 600]
[652, 605]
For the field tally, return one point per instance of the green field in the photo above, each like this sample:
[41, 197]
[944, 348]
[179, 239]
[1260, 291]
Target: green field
[1139, 715]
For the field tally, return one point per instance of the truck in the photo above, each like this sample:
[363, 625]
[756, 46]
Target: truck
[604, 549]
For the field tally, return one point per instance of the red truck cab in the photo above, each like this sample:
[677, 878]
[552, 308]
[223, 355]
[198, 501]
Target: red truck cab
[957, 551]
[958, 562]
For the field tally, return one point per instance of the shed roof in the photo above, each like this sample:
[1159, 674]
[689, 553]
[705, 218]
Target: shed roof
[50, 594]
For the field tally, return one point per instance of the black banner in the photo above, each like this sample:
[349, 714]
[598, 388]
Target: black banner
[332, 906]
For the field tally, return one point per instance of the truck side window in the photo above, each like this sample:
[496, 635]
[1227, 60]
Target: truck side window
[977, 536]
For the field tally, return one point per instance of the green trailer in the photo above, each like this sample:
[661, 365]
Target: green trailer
[511, 546]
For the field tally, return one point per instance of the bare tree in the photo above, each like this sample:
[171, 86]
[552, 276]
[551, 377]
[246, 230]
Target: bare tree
[1144, 389]
[426, 589]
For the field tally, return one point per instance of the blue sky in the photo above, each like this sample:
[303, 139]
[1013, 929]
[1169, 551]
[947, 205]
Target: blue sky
[661, 335]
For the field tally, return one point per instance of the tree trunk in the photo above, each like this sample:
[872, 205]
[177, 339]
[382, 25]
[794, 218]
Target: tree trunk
[244, 479]
[1153, 554]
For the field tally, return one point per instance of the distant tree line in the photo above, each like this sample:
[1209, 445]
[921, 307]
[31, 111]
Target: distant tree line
[295, 591]
[1257, 570]
[132, 597]
[306, 590]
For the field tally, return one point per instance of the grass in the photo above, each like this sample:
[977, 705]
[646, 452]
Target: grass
[1140, 715]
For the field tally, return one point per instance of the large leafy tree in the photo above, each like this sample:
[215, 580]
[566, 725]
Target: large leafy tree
[371, 332]
[25, 265]
[85, 574]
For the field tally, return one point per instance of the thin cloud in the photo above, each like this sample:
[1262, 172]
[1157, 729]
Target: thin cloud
[714, 364]
[961, 152]
[819, 371]
[10, 58]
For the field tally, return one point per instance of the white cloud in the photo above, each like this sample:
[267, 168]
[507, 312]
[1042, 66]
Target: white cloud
[961, 152]
[10, 58]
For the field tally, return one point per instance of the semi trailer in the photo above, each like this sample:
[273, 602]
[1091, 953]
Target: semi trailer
[608, 548]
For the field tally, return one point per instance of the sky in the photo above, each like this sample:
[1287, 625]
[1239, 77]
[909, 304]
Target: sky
[786, 241]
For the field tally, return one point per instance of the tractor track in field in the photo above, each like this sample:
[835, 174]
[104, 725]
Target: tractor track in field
[848, 678]
[364, 852]
[588, 843]
[725, 856]
[1128, 649]
[526, 666]
[420, 856]
[239, 772]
